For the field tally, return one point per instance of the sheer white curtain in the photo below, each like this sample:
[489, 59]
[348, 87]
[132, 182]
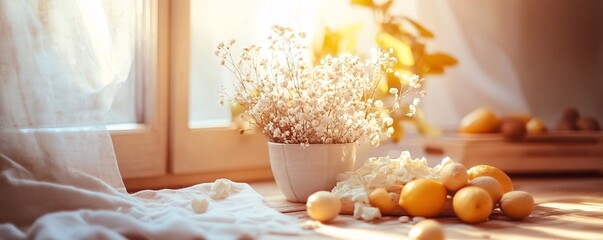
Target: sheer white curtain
[61, 64]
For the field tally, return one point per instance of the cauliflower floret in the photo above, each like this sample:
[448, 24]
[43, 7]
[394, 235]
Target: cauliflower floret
[220, 189]
[382, 172]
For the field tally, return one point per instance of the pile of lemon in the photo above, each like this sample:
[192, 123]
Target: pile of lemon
[471, 194]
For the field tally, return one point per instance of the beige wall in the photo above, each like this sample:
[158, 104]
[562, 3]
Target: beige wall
[536, 56]
[559, 56]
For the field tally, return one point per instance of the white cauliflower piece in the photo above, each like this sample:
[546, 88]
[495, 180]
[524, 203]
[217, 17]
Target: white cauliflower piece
[382, 172]
[370, 213]
[199, 205]
[220, 189]
[358, 206]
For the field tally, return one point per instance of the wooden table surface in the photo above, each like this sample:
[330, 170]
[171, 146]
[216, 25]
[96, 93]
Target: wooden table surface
[566, 208]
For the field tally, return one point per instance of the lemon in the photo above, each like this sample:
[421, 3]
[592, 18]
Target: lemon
[472, 204]
[428, 229]
[481, 120]
[490, 185]
[536, 126]
[381, 199]
[323, 206]
[423, 197]
[486, 170]
[454, 176]
[517, 204]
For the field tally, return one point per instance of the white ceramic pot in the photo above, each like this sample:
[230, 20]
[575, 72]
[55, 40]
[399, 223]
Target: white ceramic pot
[300, 171]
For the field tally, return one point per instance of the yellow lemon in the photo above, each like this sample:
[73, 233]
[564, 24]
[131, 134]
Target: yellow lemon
[472, 204]
[517, 204]
[428, 229]
[381, 199]
[423, 198]
[481, 120]
[486, 170]
[536, 126]
[454, 176]
[490, 185]
[323, 206]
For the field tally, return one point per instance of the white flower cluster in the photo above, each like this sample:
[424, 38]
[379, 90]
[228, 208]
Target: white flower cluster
[296, 103]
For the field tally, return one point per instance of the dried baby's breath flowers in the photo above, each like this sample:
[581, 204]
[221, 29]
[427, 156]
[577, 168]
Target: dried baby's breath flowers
[294, 102]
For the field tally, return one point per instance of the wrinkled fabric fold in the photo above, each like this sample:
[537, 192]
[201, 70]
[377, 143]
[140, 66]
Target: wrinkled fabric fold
[163, 214]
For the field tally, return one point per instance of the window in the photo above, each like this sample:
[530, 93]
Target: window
[140, 138]
[202, 138]
[203, 142]
[181, 77]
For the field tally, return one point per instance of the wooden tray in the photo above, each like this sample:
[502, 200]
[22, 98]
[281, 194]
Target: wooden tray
[547, 152]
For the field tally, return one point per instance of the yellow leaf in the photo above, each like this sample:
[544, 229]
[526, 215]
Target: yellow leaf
[363, 3]
[418, 50]
[440, 59]
[337, 41]
[384, 87]
[385, 6]
[398, 129]
[397, 83]
[348, 37]
[422, 30]
[330, 45]
[402, 50]
[424, 68]
[392, 81]
[433, 69]
[435, 63]
[236, 109]
[396, 31]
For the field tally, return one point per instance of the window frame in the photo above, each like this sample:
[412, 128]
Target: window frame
[195, 150]
[141, 149]
[164, 152]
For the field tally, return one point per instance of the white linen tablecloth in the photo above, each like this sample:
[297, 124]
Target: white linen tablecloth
[79, 213]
